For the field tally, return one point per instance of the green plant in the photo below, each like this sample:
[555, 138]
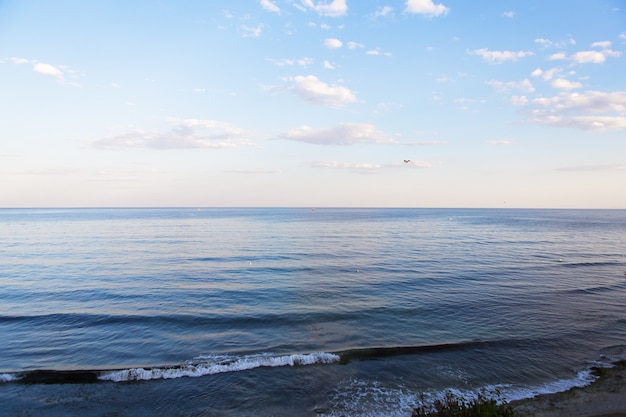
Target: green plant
[455, 406]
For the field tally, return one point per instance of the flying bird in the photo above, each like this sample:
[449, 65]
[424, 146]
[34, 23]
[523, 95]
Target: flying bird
[406, 161]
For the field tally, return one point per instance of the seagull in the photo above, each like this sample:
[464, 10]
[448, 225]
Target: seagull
[406, 161]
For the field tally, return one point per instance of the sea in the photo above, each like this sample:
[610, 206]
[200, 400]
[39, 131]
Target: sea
[302, 311]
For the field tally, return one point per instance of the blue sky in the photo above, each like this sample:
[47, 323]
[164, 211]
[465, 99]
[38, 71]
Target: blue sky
[313, 103]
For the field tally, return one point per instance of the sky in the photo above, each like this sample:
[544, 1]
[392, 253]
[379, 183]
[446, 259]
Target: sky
[310, 103]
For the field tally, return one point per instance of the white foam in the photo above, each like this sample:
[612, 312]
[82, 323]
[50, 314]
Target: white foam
[7, 378]
[219, 364]
[370, 399]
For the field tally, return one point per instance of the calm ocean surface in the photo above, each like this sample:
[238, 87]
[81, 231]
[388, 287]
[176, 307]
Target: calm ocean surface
[301, 312]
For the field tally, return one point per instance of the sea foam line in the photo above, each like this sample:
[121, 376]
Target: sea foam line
[217, 365]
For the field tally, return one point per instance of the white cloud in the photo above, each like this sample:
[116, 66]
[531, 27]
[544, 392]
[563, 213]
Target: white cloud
[525, 85]
[426, 7]
[333, 43]
[547, 43]
[252, 32]
[19, 61]
[48, 70]
[312, 90]
[557, 57]
[589, 101]
[497, 57]
[589, 57]
[519, 101]
[383, 11]
[344, 134]
[184, 134]
[502, 142]
[563, 84]
[546, 75]
[598, 123]
[269, 6]
[301, 62]
[591, 110]
[354, 45]
[602, 44]
[622, 36]
[509, 14]
[359, 166]
[328, 65]
[335, 8]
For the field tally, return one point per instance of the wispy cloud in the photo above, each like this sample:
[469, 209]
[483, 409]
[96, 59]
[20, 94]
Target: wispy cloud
[335, 8]
[48, 71]
[301, 62]
[563, 84]
[426, 7]
[594, 56]
[505, 86]
[368, 167]
[184, 134]
[510, 14]
[498, 57]
[344, 134]
[333, 43]
[591, 110]
[252, 31]
[269, 6]
[310, 89]
[383, 11]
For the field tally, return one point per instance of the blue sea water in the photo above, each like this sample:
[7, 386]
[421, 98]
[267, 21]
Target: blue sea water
[302, 312]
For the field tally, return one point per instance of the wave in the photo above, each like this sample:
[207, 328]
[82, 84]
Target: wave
[215, 364]
[219, 364]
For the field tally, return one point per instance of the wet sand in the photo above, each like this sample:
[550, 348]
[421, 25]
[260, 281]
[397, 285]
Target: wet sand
[606, 397]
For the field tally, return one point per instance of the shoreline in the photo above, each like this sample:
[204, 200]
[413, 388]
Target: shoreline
[605, 397]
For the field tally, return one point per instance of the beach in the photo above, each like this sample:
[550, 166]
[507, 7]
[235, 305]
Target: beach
[605, 397]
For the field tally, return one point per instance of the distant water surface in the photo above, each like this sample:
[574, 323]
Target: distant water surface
[282, 312]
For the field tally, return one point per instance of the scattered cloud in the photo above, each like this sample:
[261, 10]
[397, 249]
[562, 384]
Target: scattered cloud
[377, 52]
[48, 71]
[184, 134]
[497, 57]
[269, 6]
[525, 85]
[546, 75]
[328, 65]
[355, 45]
[366, 167]
[19, 61]
[252, 32]
[358, 167]
[519, 101]
[547, 43]
[335, 8]
[595, 56]
[343, 134]
[312, 90]
[383, 11]
[510, 14]
[563, 84]
[591, 110]
[300, 62]
[333, 43]
[426, 7]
